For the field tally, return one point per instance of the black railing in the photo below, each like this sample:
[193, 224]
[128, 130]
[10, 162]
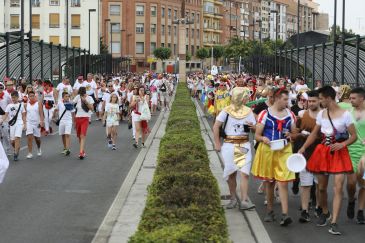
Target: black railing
[316, 62]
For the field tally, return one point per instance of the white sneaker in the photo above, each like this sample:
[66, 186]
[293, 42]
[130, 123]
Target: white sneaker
[29, 156]
[39, 152]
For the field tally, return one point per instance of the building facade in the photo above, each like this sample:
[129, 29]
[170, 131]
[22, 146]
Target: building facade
[49, 23]
[213, 22]
[135, 28]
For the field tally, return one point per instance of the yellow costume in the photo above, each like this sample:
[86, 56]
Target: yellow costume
[222, 100]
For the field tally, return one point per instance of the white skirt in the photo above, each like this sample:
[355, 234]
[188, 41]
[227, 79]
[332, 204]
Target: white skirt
[227, 152]
[135, 117]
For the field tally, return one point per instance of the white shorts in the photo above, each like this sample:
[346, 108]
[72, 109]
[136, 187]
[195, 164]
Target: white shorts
[154, 101]
[163, 96]
[306, 178]
[65, 128]
[33, 129]
[112, 123]
[135, 117]
[16, 131]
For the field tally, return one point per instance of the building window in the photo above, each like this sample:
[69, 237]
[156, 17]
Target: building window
[197, 34]
[115, 27]
[115, 47]
[192, 33]
[75, 41]
[75, 21]
[14, 21]
[187, 32]
[139, 28]
[36, 21]
[153, 11]
[54, 39]
[153, 47]
[162, 12]
[162, 44]
[54, 3]
[163, 29]
[36, 3]
[175, 14]
[114, 9]
[169, 13]
[187, 48]
[139, 47]
[174, 49]
[192, 51]
[169, 30]
[75, 3]
[175, 31]
[15, 3]
[198, 18]
[54, 20]
[35, 38]
[139, 10]
[153, 28]
[169, 45]
[192, 17]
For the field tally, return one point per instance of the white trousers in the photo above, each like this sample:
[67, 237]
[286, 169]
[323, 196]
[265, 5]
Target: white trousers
[48, 114]
[5, 137]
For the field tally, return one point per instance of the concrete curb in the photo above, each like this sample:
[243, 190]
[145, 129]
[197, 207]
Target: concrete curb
[255, 224]
[106, 228]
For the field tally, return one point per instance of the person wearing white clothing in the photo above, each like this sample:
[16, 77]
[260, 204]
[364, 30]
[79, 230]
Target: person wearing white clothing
[141, 127]
[5, 99]
[65, 86]
[66, 115]
[16, 112]
[79, 83]
[49, 97]
[35, 119]
[237, 120]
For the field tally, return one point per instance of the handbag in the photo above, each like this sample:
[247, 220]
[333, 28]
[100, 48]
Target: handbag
[222, 132]
[13, 120]
[145, 112]
[339, 137]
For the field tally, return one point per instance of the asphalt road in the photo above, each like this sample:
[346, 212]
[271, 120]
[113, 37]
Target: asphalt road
[309, 232]
[54, 198]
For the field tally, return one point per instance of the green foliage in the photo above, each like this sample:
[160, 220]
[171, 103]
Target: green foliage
[202, 53]
[103, 46]
[162, 53]
[183, 202]
[348, 33]
[188, 57]
[218, 52]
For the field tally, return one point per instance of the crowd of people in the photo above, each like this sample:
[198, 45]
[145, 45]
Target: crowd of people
[35, 109]
[325, 124]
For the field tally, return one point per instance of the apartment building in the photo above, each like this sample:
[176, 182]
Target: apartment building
[213, 22]
[49, 23]
[135, 28]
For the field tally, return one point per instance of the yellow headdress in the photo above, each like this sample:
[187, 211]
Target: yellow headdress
[237, 108]
[344, 92]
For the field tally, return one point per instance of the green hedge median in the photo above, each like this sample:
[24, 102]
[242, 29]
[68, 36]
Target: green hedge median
[183, 202]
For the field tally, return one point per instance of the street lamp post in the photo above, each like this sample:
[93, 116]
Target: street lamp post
[105, 30]
[334, 30]
[276, 35]
[298, 31]
[343, 43]
[121, 31]
[90, 10]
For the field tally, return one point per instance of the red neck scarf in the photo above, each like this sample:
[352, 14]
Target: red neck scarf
[10, 91]
[32, 102]
[50, 90]
[2, 95]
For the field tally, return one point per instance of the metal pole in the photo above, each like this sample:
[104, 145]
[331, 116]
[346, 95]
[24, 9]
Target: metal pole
[59, 63]
[30, 43]
[22, 39]
[291, 63]
[67, 23]
[343, 43]
[211, 59]
[7, 39]
[111, 39]
[253, 27]
[298, 31]
[323, 60]
[334, 30]
[305, 63]
[85, 73]
[51, 61]
[80, 66]
[230, 19]
[313, 63]
[89, 30]
[42, 73]
[73, 65]
[279, 71]
[276, 38]
[357, 60]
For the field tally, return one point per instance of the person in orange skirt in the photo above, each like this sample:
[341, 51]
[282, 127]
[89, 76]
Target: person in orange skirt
[331, 156]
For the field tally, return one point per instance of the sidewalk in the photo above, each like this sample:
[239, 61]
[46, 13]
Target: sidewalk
[123, 217]
[242, 226]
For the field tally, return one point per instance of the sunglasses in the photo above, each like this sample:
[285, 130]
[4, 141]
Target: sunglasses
[110, 86]
[302, 100]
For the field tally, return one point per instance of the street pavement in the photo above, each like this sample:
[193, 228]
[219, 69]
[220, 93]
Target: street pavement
[304, 233]
[54, 198]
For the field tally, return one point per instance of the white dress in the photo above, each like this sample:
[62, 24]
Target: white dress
[235, 127]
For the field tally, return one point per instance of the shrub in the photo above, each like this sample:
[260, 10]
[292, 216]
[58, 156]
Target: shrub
[183, 202]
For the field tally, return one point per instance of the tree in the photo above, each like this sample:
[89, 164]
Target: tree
[202, 54]
[348, 33]
[218, 52]
[162, 53]
[103, 47]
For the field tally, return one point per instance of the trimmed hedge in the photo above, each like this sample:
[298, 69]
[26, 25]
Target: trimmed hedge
[183, 202]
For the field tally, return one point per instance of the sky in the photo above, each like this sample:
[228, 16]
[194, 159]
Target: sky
[354, 14]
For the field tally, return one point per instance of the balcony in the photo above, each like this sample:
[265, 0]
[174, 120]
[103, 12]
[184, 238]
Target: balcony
[212, 14]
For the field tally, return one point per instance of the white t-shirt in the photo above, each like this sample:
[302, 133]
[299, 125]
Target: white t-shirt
[67, 117]
[106, 97]
[90, 87]
[77, 85]
[80, 111]
[235, 127]
[61, 88]
[4, 102]
[300, 86]
[11, 109]
[33, 113]
[340, 123]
